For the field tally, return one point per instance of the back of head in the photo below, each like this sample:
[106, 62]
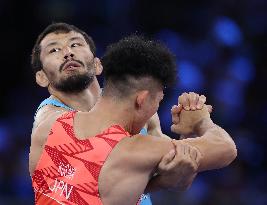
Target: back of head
[135, 63]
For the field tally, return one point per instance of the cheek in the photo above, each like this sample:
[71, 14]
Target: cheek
[156, 108]
[87, 56]
[51, 69]
[153, 108]
[51, 63]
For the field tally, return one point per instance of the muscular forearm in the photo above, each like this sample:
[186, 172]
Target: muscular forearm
[215, 145]
[188, 136]
[154, 128]
[157, 133]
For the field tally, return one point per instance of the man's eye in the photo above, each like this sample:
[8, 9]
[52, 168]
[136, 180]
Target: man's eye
[54, 50]
[75, 44]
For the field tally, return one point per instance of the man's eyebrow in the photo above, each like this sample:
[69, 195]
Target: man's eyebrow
[75, 38]
[51, 44]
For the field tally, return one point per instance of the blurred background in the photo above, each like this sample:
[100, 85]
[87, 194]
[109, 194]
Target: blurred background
[221, 52]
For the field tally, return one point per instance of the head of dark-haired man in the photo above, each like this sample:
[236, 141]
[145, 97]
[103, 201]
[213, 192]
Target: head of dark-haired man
[63, 59]
[136, 70]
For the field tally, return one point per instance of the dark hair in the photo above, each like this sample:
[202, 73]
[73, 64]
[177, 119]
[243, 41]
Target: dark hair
[56, 28]
[137, 57]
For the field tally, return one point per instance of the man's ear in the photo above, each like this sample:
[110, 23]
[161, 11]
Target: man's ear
[141, 98]
[98, 66]
[41, 78]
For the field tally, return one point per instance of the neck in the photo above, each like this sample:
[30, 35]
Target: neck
[82, 101]
[110, 112]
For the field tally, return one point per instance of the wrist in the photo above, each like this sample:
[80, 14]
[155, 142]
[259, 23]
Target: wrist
[203, 126]
[193, 135]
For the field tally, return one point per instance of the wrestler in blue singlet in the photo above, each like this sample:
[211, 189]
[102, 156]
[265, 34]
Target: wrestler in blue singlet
[145, 198]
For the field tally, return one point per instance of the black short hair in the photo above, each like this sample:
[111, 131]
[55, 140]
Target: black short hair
[137, 57]
[56, 28]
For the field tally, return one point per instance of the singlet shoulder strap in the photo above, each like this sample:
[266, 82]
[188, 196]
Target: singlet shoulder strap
[54, 102]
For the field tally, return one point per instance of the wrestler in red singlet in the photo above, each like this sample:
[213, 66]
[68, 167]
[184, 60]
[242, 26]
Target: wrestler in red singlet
[68, 169]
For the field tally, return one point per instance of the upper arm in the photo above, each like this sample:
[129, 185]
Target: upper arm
[38, 138]
[149, 149]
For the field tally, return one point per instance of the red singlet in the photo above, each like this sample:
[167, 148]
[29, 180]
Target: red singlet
[68, 169]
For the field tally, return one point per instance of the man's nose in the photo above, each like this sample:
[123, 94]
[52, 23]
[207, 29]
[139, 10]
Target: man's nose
[68, 54]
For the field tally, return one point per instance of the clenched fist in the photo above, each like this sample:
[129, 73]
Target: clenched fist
[189, 120]
[190, 111]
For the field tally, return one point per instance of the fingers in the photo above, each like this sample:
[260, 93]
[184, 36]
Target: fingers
[170, 163]
[175, 111]
[191, 155]
[210, 108]
[193, 100]
[181, 167]
[195, 155]
[166, 162]
[198, 157]
[201, 101]
[188, 101]
[184, 101]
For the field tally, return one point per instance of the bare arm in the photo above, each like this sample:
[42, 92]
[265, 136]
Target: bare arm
[214, 143]
[181, 169]
[169, 165]
[154, 128]
[215, 149]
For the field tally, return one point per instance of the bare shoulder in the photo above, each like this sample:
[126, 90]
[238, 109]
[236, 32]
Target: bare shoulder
[148, 147]
[44, 120]
[153, 143]
[144, 140]
[46, 113]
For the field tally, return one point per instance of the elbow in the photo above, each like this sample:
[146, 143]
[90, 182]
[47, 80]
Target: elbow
[230, 153]
[220, 152]
[227, 147]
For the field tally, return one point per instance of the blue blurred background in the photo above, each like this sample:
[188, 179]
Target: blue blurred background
[221, 52]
